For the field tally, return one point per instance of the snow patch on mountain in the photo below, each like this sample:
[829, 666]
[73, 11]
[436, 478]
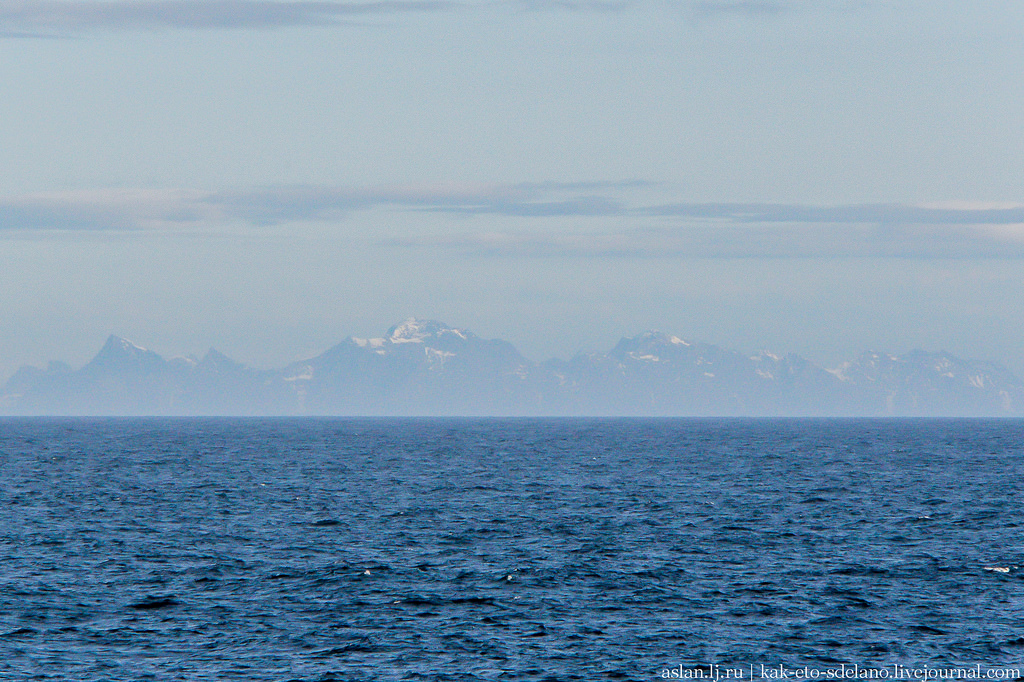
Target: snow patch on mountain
[454, 372]
[414, 330]
[125, 345]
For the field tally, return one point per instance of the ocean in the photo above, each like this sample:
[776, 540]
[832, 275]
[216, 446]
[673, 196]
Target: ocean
[510, 549]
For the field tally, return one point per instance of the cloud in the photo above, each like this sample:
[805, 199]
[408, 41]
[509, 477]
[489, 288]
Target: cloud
[858, 213]
[130, 209]
[731, 241]
[60, 18]
[38, 18]
[575, 5]
[678, 230]
[533, 199]
[8, 35]
[591, 186]
[588, 206]
[310, 202]
[700, 9]
[109, 209]
[955, 230]
[710, 8]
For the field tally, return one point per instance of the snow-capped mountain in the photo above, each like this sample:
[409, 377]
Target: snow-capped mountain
[425, 367]
[127, 379]
[921, 383]
[123, 378]
[419, 367]
[660, 374]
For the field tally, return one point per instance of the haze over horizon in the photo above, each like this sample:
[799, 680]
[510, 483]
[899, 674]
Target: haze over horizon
[118, 340]
[268, 178]
[427, 368]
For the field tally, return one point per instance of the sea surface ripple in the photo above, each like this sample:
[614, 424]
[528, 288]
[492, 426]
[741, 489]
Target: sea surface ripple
[517, 549]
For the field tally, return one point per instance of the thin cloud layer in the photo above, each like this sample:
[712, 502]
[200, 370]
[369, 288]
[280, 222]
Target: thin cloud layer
[42, 17]
[693, 230]
[749, 241]
[710, 8]
[116, 209]
[53, 18]
[857, 213]
[128, 209]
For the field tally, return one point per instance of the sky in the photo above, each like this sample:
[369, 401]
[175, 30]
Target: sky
[821, 177]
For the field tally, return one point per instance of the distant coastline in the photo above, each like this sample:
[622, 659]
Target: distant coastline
[428, 368]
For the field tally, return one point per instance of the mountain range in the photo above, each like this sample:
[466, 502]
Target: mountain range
[424, 367]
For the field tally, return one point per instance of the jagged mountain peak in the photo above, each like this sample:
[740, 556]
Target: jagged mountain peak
[649, 339]
[655, 336]
[119, 345]
[214, 359]
[414, 330]
[214, 355]
[427, 367]
[120, 353]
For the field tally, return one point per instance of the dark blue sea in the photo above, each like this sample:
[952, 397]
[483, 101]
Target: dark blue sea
[384, 549]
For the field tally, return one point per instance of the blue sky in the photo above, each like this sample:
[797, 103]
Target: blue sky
[821, 177]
